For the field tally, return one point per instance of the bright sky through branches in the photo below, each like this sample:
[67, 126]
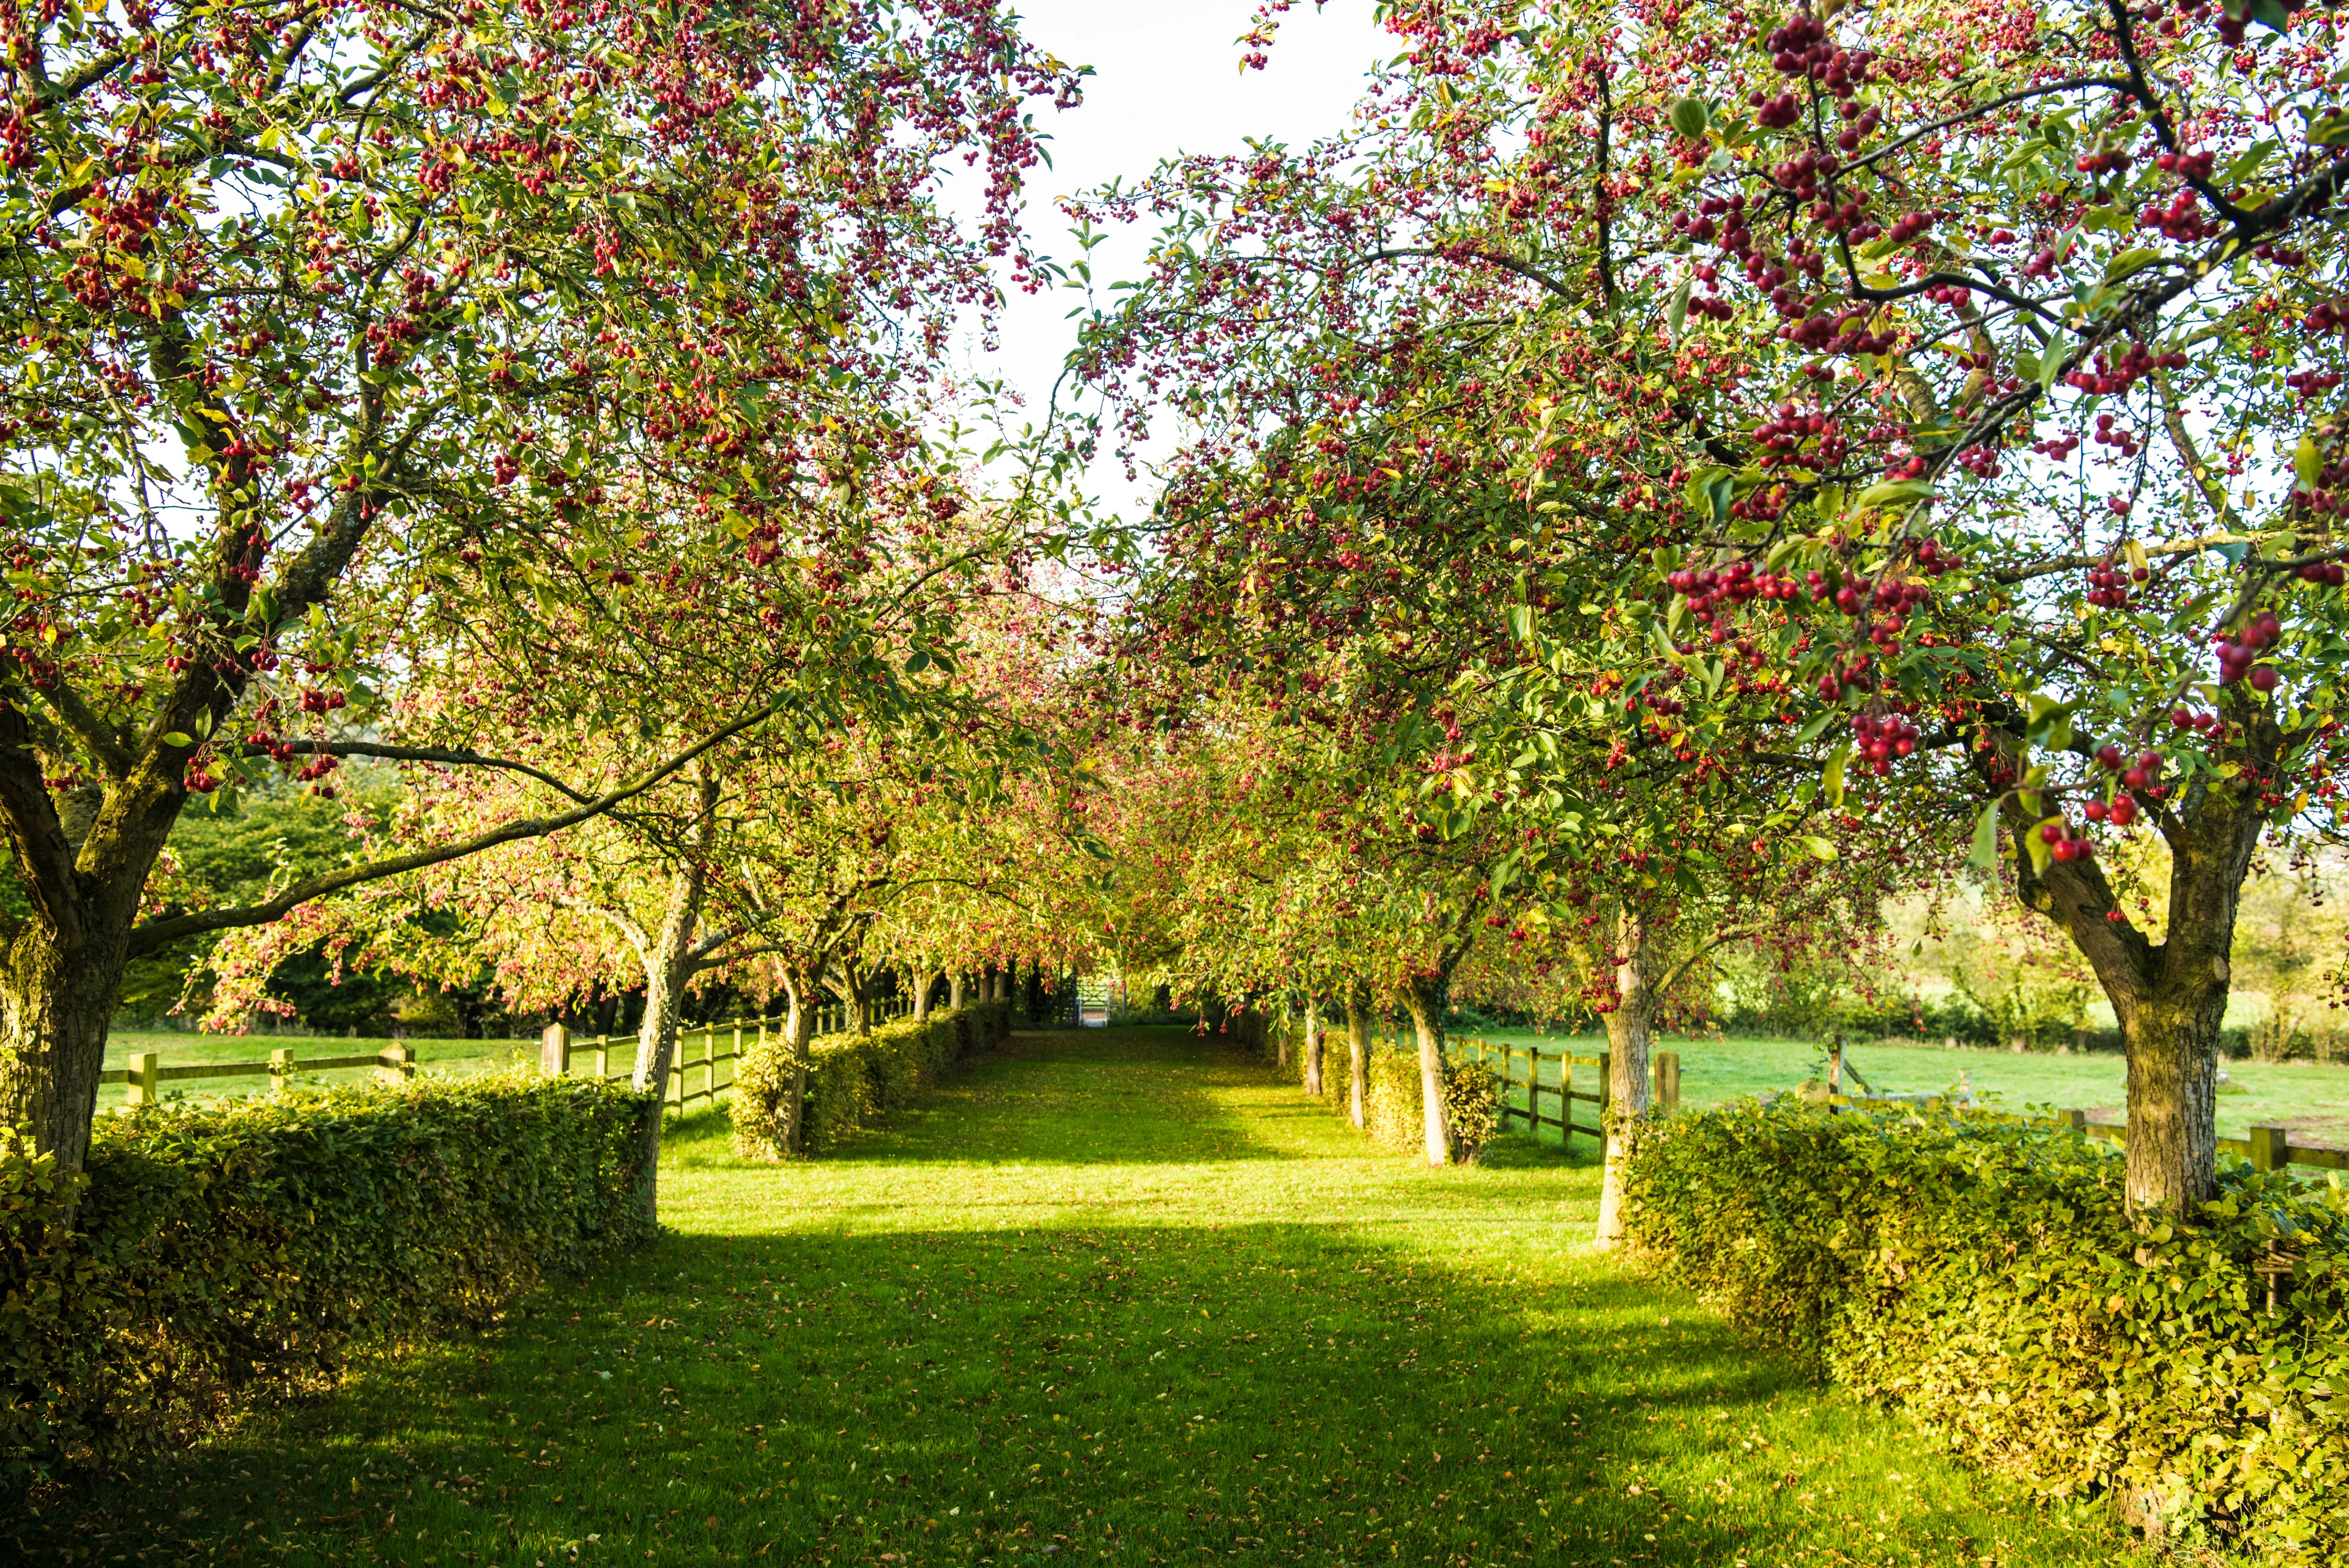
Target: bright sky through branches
[1166, 80]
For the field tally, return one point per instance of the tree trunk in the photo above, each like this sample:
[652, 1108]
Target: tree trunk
[82, 872]
[1358, 1051]
[799, 1027]
[1313, 1046]
[955, 983]
[1423, 998]
[668, 965]
[2169, 998]
[925, 982]
[55, 1004]
[1629, 1028]
[1279, 1023]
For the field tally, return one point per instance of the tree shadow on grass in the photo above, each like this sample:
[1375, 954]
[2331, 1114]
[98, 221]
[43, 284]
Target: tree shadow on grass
[1263, 1393]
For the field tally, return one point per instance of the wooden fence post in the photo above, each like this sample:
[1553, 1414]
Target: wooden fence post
[1532, 1088]
[2077, 1121]
[603, 1058]
[2271, 1149]
[555, 1051]
[395, 1064]
[139, 1089]
[281, 1065]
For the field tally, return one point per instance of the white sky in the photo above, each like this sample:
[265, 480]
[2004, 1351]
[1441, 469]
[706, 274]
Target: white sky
[1166, 80]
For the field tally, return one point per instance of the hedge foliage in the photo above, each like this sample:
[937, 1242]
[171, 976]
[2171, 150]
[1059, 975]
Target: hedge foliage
[225, 1251]
[1982, 1273]
[1391, 1111]
[854, 1078]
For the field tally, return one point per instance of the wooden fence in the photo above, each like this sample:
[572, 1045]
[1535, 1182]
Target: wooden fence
[2268, 1148]
[1504, 1057]
[143, 1078]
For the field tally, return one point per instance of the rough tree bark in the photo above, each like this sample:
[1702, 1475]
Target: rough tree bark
[1313, 1046]
[1422, 998]
[1629, 1033]
[799, 1027]
[956, 983]
[2169, 997]
[1358, 1050]
[925, 982]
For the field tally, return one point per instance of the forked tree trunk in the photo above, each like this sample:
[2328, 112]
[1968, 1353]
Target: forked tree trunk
[1313, 1046]
[799, 1027]
[668, 964]
[82, 871]
[2169, 998]
[1629, 1033]
[925, 982]
[1358, 1053]
[1423, 997]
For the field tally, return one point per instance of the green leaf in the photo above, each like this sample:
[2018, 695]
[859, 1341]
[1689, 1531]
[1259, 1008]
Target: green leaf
[1817, 727]
[1985, 854]
[2134, 260]
[1676, 316]
[179, 738]
[1821, 847]
[1893, 493]
[1690, 117]
[2268, 14]
[2307, 463]
[1831, 777]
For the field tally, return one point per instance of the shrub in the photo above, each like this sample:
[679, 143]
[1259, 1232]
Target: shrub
[1982, 1273]
[851, 1079]
[224, 1251]
[1390, 1103]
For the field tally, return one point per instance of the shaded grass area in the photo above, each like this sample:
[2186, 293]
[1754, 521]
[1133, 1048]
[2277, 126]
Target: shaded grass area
[1115, 1297]
[2311, 1097]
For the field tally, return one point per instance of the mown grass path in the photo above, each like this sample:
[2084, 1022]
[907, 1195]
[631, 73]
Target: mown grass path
[1114, 1297]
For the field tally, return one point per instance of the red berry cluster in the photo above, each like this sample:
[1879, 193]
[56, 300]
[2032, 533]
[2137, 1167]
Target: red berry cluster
[1782, 439]
[2112, 377]
[1882, 737]
[2188, 719]
[2325, 318]
[1736, 583]
[2182, 219]
[2108, 586]
[2138, 773]
[2238, 655]
[2328, 573]
[2110, 161]
[2312, 383]
[2062, 843]
[2109, 434]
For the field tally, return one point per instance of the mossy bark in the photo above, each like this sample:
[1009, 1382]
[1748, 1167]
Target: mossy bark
[2169, 997]
[1358, 1053]
[1631, 1032]
[1313, 1046]
[1423, 998]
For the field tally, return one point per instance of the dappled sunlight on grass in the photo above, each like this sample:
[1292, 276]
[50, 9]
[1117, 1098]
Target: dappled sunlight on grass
[1112, 1297]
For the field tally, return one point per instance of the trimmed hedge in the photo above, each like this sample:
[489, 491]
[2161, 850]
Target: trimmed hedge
[1982, 1273]
[1391, 1111]
[853, 1078]
[225, 1252]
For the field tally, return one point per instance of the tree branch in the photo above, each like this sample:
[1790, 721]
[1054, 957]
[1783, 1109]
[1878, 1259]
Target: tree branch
[158, 933]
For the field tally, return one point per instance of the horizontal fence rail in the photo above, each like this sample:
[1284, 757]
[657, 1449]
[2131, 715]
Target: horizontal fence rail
[1505, 1060]
[2268, 1148]
[143, 1077]
[142, 1080]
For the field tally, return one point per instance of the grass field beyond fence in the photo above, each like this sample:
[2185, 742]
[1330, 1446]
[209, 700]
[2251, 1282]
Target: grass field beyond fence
[2310, 1098]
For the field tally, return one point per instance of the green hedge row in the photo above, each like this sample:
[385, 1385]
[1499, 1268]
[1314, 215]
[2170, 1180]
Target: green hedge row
[1983, 1274]
[225, 1251]
[1391, 1106]
[853, 1078]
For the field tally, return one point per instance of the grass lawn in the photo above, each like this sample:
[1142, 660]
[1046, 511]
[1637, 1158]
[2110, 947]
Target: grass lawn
[2312, 1098]
[1117, 1297]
